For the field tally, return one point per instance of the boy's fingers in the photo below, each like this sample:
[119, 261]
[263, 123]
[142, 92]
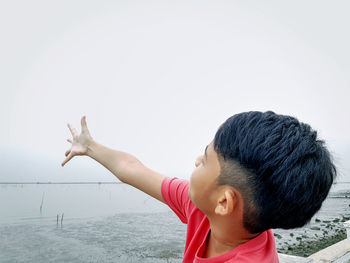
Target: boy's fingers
[67, 159]
[72, 130]
[83, 123]
[67, 152]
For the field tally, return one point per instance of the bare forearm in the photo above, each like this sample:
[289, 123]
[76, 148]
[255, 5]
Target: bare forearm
[127, 169]
[115, 161]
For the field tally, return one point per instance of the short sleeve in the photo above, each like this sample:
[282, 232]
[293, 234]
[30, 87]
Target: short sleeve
[175, 195]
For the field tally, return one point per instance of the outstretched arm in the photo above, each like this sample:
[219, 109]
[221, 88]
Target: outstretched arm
[124, 166]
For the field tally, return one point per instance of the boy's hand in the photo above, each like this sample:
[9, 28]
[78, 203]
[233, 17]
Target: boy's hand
[80, 141]
[124, 166]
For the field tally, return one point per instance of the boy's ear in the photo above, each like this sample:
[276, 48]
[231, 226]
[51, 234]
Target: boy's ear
[226, 203]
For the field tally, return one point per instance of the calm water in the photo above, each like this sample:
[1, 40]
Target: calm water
[101, 223]
[107, 223]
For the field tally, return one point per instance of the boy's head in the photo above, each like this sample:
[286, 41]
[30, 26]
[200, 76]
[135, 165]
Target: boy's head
[280, 168]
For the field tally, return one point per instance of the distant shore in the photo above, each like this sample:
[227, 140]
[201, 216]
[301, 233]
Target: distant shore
[325, 228]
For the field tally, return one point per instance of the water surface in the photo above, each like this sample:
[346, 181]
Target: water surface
[116, 223]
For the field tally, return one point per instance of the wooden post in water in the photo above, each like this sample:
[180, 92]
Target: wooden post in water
[62, 219]
[42, 201]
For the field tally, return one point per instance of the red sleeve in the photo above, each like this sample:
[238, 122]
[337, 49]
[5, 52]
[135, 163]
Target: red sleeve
[175, 195]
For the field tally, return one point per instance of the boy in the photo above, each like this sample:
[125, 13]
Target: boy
[261, 171]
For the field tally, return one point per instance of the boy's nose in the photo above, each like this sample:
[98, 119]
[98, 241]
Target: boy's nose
[198, 161]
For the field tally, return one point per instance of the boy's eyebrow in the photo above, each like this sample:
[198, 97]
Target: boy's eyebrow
[205, 152]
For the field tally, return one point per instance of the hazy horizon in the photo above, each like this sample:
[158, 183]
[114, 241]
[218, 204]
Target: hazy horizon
[157, 78]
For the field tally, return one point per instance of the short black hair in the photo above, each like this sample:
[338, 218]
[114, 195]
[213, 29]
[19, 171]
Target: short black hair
[283, 171]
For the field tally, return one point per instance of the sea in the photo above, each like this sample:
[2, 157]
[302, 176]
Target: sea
[114, 222]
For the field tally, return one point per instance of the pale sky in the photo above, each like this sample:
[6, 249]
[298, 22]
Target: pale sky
[157, 78]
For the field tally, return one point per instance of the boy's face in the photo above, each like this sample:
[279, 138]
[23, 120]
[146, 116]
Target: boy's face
[203, 186]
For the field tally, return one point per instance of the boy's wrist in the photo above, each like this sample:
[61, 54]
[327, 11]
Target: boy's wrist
[91, 148]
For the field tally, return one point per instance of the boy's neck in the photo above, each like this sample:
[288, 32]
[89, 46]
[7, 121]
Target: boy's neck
[224, 236]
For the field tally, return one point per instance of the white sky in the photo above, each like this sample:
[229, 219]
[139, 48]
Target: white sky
[157, 78]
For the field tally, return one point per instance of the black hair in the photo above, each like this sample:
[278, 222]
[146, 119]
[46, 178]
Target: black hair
[282, 170]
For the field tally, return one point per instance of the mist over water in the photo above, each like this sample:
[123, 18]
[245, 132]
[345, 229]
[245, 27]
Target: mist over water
[18, 201]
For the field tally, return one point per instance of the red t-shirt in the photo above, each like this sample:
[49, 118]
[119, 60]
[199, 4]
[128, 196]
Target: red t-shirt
[261, 249]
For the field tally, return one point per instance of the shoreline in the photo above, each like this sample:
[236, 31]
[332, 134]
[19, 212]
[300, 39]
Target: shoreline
[323, 230]
[306, 248]
[317, 235]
